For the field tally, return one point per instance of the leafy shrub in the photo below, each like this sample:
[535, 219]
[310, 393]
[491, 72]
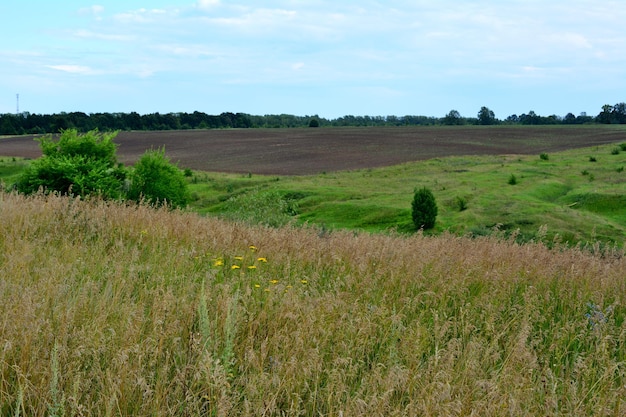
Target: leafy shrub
[620, 169]
[461, 203]
[268, 208]
[78, 164]
[512, 179]
[622, 146]
[157, 181]
[615, 151]
[424, 209]
[592, 159]
[544, 156]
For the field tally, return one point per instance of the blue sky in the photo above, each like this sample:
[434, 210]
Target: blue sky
[330, 58]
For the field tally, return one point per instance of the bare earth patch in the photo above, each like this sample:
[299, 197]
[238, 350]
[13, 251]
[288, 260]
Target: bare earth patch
[310, 151]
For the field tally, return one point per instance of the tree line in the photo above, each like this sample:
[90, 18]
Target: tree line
[31, 123]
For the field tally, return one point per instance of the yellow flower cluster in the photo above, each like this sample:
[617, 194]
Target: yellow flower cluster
[242, 262]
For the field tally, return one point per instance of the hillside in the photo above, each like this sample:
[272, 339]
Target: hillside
[108, 309]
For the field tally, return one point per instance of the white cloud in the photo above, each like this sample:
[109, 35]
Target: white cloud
[95, 10]
[144, 15]
[87, 34]
[207, 4]
[73, 69]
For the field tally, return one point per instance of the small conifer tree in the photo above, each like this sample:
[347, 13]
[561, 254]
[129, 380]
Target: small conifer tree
[424, 209]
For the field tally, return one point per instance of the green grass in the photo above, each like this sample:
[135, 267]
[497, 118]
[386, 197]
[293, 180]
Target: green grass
[10, 168]
[574, 198]
[547, 192]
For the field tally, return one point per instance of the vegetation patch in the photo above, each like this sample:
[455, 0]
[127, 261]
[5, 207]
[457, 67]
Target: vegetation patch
[613, 204]
[109, 308]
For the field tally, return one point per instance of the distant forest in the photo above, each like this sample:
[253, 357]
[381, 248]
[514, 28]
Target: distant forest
[28, 123]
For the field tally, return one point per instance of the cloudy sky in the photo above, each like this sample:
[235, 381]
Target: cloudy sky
[305, 57]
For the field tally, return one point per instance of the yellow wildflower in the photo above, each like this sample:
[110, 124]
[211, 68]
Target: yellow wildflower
[251, 266]
[257, 286]
[218, 262]
[274, 281]
[235, 267]
[252, 248]
[239, 258]
[304, 281]
[264, 260]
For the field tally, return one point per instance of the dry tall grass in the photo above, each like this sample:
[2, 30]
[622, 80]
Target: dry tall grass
[114, 310]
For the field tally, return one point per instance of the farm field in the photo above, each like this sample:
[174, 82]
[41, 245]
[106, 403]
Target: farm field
[312, 151]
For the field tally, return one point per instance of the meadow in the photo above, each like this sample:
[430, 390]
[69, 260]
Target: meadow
[310, 295]
[574, 196]
[112, 309]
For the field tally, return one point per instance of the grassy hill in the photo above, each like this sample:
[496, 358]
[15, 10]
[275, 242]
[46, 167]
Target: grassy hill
[571, 196]
[108, 309]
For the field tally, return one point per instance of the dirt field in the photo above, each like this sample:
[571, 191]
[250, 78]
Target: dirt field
[312, 151]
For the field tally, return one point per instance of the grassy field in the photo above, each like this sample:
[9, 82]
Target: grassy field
[108, 309]
[572, 196]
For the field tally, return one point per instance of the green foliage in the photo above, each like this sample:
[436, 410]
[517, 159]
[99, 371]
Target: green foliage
[486, 116]
[157, 181]
[592, 159]
[77, 164]
[622, 146]
[91, 144]
[544, 156]
[615, 151]
[314, 123]
[512, 179]
[461, 203]
[268, 208]
[424, 209]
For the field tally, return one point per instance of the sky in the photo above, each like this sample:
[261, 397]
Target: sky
[313, 57]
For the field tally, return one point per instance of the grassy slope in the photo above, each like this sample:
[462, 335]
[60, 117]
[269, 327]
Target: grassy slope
[552, 192]
[113, 310]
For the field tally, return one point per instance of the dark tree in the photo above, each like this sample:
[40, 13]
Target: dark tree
[424, 209]
[453, 118]
[486, 116]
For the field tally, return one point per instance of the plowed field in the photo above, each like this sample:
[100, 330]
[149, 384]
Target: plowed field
[311, 151]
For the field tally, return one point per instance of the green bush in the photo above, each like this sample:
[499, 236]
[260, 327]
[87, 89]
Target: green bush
[266, 207]
[77, 164]
[424, 209]
[461, 203]
[512, 179]
[157, 181]
[544, 156]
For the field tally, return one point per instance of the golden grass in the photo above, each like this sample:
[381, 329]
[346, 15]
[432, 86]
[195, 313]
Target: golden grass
[108, 309]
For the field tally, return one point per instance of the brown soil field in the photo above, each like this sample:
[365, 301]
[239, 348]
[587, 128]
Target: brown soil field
[314, 150]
